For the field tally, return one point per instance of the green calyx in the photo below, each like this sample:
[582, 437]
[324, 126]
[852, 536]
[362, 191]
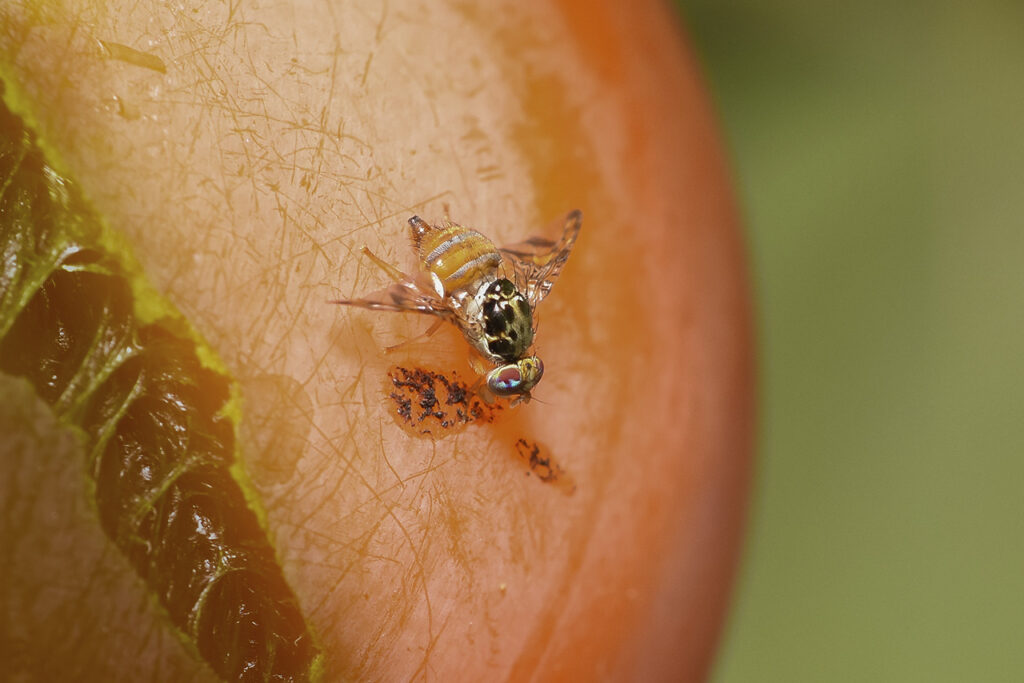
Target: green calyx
[155, 407]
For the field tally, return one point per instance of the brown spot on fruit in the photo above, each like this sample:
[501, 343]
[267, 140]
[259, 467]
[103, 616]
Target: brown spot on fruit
[435, 404]
[543, 465]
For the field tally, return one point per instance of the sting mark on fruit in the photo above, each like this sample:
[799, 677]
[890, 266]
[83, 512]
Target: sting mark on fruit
[544, 467]
[435, 404]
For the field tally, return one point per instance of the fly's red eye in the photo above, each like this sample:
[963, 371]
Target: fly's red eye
[506, 380]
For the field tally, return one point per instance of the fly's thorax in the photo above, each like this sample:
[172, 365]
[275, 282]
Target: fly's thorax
[507, 321]
[515, 379]
[456, 257]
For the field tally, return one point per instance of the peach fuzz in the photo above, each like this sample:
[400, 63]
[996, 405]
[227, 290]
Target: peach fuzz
[248, 163]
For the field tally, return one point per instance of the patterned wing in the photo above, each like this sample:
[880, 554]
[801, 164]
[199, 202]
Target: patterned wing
[404, 295]
[537, 261]
[401, 296]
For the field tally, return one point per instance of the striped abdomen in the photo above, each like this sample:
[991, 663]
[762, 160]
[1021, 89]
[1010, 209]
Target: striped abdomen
[458, 256]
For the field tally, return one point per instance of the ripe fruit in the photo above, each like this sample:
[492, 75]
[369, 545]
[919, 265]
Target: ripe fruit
[245, 177]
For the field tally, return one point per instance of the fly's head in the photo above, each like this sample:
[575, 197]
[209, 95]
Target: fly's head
[515, 379]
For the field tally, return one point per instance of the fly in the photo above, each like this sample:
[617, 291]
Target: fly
[490, 293]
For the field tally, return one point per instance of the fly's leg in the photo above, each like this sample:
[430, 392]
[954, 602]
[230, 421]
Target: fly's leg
[479, 387]
[430, 330]
[480, 390]
[395, 273]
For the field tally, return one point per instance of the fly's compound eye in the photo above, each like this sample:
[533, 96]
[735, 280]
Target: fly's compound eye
[516, 378]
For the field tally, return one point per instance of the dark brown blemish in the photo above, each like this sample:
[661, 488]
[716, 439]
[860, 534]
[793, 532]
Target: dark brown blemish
[544, 466]
[435, 404]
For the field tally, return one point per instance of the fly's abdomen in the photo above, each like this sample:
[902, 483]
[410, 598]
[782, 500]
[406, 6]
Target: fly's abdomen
[458, 256]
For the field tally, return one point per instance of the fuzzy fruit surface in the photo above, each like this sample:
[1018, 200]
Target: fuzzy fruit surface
[245, 175]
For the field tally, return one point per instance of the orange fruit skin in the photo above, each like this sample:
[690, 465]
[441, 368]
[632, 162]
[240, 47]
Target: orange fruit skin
[246, 194]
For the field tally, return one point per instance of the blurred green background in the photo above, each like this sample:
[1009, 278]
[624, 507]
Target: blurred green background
[878, 149]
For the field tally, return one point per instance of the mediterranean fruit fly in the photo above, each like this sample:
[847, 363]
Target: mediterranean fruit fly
[490, 293]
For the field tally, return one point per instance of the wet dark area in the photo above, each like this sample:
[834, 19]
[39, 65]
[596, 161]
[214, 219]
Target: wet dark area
[543, 465]
[435, 404]
[153, 418]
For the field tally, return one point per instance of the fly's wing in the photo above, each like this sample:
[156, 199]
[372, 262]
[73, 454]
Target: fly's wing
[404, 295]
[537, 261]
[401, 296]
